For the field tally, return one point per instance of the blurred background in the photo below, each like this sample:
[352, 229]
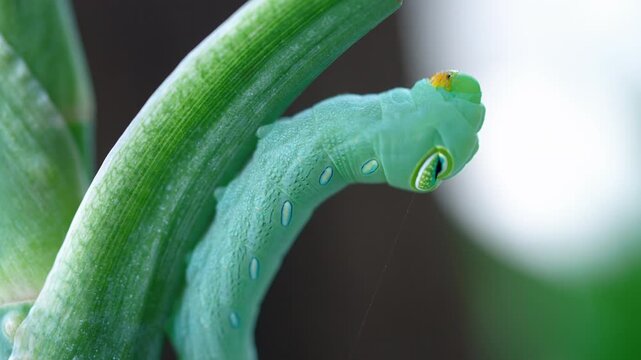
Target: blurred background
[532, 252]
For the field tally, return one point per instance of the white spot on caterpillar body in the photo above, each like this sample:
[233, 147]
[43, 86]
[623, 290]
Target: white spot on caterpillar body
[254, 268]
[286, 213]
[234, 320]
[326, 176]
[369, 167]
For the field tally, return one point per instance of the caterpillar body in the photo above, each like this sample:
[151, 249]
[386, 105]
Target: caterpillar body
[410, 138]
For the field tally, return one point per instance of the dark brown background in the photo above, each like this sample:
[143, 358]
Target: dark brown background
[319, 299]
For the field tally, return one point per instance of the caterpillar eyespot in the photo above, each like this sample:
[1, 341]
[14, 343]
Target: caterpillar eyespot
[412, 139]
[433, 169]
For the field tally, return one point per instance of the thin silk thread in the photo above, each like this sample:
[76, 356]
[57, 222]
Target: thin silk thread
[379, 281]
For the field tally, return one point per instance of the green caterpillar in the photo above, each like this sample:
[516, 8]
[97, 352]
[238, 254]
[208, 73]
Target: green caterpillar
[409, 138]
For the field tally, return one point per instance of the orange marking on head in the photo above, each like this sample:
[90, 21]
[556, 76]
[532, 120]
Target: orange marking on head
[442, 79]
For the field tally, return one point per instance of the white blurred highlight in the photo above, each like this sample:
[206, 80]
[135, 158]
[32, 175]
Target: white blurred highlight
[556, 184]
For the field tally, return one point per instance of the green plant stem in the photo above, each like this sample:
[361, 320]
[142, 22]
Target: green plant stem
[113, 283]
[44, 34]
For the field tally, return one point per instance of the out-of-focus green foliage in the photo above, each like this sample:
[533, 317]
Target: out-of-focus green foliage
[41, 180]
[518, 316]
[44, 34]
[44, 87]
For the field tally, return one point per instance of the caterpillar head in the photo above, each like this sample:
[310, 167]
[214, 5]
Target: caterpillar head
[438, 136]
